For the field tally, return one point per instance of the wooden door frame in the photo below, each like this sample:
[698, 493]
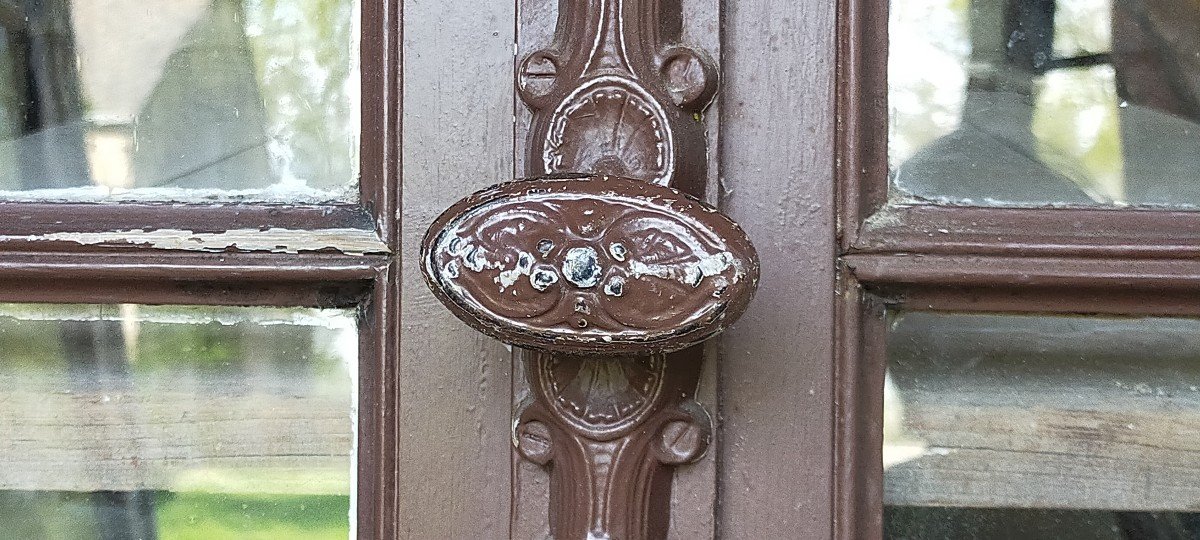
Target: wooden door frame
[802, 110]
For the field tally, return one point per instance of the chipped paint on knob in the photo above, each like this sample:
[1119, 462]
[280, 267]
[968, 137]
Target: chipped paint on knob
[597, 264]
[581, 267]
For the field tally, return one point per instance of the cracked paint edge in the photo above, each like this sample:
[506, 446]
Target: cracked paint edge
[348, 241]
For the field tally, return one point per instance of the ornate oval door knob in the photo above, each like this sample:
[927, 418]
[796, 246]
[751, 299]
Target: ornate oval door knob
[596, 264]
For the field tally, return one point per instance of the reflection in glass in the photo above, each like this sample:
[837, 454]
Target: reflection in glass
[1014, 426]
[187, 100]
[176, 422]
[1045, 102]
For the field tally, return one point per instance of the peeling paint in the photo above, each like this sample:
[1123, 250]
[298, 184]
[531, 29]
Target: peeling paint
[334, 319]
[275, 240]
[582, 268]
[542, 279]
[690, 273]
[615, 286]
[524, 266]
[277, 193]
[618, 251]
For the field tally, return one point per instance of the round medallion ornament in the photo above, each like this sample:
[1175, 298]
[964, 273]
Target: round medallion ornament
[610, 124]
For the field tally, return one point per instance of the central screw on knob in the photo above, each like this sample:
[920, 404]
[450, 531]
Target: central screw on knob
[582, 267]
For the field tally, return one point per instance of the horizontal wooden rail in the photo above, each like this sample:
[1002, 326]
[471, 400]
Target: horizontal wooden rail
[187, 433]
[1043, 412]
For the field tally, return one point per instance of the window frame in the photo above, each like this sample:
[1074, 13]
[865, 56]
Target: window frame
[1063, 260]
[38, 266]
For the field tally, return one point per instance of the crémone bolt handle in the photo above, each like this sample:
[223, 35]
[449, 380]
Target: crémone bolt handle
[606, 265]
[595, 265]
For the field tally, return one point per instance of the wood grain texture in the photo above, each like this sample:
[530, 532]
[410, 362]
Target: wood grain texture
[115, 437]
[1065, 455]
[454, 386]
[1045, 412]
[775, 460]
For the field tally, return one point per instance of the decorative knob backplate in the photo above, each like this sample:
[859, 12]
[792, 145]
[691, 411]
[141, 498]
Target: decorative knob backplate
[610, 274]
[599, 265]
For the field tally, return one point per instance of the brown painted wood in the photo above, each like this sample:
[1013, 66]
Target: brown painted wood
[380, 341]
[1032, 284]
[858, 400]
[694, 496]
[775, 456]
[453, 423]
[154, 265]
[380, 142]
[155, 277]
[1126, 233]
[45, 218]
[861, 145]
[1065, 300]
[1044, 272]
[380, 337]
[40, 272]
[950, 258]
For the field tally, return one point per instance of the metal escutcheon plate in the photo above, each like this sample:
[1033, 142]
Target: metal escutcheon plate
[602, 265]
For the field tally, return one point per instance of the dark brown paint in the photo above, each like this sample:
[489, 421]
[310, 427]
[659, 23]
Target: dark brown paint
[615, 93]
[612, 96]
[1129, 261]
[775, 453]
[611, 471]
[581, 121]
[601, 265]
[777, 148]
[47, 271]
[380, 193]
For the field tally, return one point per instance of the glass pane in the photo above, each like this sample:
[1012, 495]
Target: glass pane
[138, 421]
[1045, 102]
[1024, 426]
[187, 100]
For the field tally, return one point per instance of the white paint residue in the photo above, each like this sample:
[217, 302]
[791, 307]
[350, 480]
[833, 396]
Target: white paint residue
[715, 264]
[524, 266]
[476, 260]
[345, 240]
[334, 319]
[690, 273]
[277, 193]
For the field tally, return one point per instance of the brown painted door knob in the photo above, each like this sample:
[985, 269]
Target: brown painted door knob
[591, 264]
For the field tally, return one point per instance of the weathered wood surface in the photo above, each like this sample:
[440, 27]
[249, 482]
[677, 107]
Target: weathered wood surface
[777, 126]
[1047, 412]
[295, 436]
[454, 428]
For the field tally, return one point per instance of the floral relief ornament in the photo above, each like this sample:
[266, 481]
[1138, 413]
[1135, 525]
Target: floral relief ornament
[593, 264]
